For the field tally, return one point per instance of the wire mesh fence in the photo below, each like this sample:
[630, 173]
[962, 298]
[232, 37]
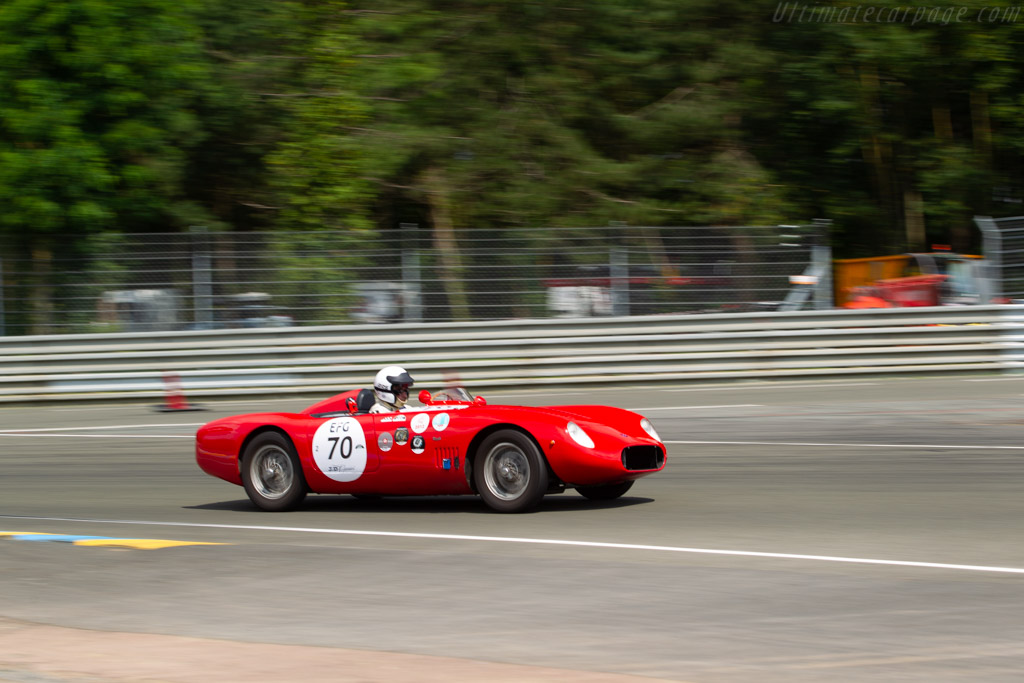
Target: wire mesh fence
[209, 280]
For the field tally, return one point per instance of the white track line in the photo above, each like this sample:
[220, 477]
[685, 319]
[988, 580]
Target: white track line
[733, 405]
[76, 432]
[846, 445]
[769, 385]
[549, 541]
[531, 392]
[996, 379]
[79, 429]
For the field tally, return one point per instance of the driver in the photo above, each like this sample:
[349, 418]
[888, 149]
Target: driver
[391, 385]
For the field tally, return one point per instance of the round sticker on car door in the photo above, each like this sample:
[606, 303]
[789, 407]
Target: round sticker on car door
[339, 449]
[441, 421]
[420, 423]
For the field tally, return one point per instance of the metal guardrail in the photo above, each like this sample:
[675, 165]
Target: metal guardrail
[521, 353]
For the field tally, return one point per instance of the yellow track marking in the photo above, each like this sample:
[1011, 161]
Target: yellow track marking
[139, 543]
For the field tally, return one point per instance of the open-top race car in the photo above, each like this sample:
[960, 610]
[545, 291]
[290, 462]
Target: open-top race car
[453, 444]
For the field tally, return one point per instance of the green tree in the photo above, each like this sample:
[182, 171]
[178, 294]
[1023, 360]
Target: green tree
[316, 172]
[573, 113]
[501, 116]
[258, 52]
[95, 121]
[898, 130]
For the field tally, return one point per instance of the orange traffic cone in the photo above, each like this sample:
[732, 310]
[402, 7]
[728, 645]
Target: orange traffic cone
[174, 395]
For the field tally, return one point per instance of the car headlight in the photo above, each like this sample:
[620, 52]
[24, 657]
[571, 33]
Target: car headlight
[649, 428]
[579, 436]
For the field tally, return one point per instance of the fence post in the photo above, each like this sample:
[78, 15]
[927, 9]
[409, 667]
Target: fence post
[992, 250]
[202, 283]
[821, 261]
[412, 310]
[619, 272]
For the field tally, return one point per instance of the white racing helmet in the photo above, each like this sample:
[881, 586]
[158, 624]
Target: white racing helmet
[392, 386]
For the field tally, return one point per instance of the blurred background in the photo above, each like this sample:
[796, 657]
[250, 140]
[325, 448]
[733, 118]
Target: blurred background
[175, 165]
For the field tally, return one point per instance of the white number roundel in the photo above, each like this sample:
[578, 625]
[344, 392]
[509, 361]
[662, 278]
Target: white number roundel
[339, 448]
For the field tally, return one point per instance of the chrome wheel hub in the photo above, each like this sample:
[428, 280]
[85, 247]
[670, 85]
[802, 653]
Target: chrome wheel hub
[506, 471]
[272, 473]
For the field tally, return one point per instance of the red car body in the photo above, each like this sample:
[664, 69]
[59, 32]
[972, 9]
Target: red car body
[338, 448]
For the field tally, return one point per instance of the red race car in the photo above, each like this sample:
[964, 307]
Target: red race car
[454, 444]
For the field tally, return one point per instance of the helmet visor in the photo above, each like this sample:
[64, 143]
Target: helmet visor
[404, 378]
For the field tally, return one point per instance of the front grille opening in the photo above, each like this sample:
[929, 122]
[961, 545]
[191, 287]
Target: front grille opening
[642, 457]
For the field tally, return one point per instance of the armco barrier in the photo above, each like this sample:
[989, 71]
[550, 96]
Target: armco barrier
[522, 353]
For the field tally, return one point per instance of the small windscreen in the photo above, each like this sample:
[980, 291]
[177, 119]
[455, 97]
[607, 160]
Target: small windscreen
[453, 394]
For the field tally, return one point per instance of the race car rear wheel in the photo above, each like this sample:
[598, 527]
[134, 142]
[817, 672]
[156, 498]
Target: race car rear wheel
[605, 491]
[509, 472]
[271, 473]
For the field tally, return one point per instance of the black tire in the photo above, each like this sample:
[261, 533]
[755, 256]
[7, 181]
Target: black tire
[271, 473]
[605, 491]
[509, 471]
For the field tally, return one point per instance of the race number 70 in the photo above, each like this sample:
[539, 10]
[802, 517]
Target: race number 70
[345, 449]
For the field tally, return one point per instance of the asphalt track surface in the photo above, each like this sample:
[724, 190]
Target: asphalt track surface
[802, 531]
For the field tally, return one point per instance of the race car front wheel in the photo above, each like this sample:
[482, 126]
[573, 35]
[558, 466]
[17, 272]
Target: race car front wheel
[271, 473]
[510, 473]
